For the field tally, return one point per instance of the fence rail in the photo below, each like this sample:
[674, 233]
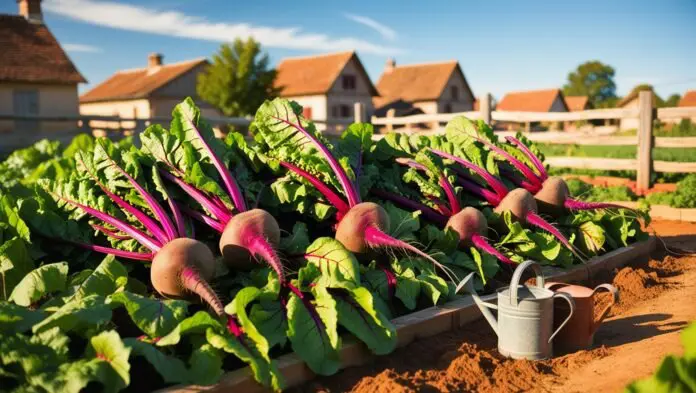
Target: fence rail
[644, 141]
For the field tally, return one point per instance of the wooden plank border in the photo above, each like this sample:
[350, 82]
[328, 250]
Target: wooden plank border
[420, 324]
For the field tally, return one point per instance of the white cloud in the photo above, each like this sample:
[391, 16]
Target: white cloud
[81, 48]
[174, 23]
[385, 31]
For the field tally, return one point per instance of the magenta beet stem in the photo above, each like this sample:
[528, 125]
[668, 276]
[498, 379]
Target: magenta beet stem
[482, 244]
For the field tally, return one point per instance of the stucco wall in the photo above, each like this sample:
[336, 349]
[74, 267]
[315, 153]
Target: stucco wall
[630, 123]
[318, 104]
[338, 96]
[54, 100]
[181, 87]
[127, 109]
[464, 102]
[557, 105]
[427, 106]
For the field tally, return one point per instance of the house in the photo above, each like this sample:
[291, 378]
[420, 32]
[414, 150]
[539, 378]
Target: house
[36, 76]
[630, 101]
[429, 87]
[327, 86]
[147, 92]
[548, 100]
[689, 99]
[577, 103]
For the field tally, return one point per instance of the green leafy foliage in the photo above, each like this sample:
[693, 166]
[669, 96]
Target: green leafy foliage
[72, 320]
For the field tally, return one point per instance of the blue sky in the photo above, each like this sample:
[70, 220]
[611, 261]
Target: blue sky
[501, 45]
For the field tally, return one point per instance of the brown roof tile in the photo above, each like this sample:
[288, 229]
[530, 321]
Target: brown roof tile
[576, 103]
[689, 98]
[530, 101]
[415, 82]
[30, 53]
[138, 83]
[301, 76]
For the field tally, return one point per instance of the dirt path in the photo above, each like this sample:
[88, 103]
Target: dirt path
[639, 339]
[656, 303]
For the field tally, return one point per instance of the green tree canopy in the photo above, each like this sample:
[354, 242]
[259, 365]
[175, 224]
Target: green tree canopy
[672, 100]
[595, 80]
[239, 79]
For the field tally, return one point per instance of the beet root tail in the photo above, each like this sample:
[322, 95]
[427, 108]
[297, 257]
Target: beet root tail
[258, 245]
[535, 220]
[573, 204]
[482, 244]
[376, 238]
[192, 281]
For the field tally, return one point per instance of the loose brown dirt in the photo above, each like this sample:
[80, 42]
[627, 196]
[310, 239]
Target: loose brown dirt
[656, 302]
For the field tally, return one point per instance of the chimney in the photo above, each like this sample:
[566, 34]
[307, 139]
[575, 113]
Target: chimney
[30, 10]
[389, 67]
[154, 60]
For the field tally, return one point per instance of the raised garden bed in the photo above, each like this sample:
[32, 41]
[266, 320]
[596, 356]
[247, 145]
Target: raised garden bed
[420, 324]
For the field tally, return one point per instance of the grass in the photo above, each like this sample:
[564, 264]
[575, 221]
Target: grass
[681, 129]
[676, 154]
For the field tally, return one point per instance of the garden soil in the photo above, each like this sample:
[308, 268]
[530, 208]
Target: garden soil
[656, 303]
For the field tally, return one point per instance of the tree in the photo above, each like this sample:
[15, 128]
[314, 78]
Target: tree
[672, 100]
[595, 80]
[239, 79]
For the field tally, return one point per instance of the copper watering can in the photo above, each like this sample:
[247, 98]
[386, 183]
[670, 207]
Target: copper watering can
[525, 315]
[579, 332]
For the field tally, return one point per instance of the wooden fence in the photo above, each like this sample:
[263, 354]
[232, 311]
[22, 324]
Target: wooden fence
[64, 128]
[645, 140]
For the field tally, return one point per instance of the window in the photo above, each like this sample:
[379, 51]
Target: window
[448, 108]
[307, 112]
[26, 103]
[348, 82]
[341, 111]
[454, 92]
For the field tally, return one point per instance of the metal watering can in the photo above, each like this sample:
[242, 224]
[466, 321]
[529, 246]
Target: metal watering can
[579, 333]
[525, 315]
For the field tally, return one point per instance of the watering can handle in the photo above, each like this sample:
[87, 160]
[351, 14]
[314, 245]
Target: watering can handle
[615, 298]
[517, 276]
[571, 303]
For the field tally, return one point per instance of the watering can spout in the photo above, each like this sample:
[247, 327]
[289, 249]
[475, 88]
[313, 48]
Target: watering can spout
[468, 285]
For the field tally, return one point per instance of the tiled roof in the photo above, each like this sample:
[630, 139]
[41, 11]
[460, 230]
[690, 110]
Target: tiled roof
[30, 53]
[530, 101]
[415, 82]
[138, 83]
[576, 103]
[689, 98]
[301, 76]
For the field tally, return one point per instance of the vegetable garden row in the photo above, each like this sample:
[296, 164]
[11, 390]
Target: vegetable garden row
[169, 261]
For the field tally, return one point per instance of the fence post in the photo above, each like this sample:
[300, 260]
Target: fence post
[646, 116]
[390, 115]
[485, 108]
[359, 112]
